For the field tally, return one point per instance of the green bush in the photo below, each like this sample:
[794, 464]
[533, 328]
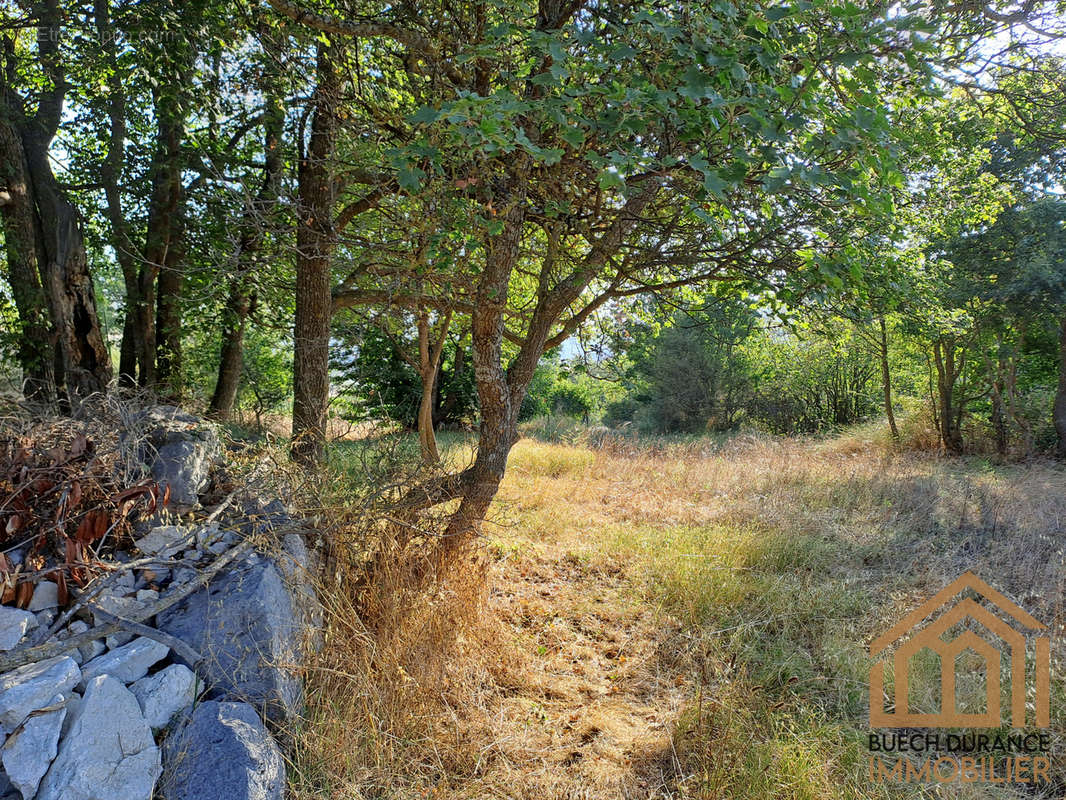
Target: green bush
[621, 411]
[570, 399]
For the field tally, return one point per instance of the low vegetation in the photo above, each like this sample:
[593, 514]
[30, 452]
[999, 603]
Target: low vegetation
[685, 620]
[767, 298]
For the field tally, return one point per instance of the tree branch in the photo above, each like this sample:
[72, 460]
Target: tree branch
[415, 43]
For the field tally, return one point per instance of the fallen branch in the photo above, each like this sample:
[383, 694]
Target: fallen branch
[43, 634]
[28, 654]
[187, 654]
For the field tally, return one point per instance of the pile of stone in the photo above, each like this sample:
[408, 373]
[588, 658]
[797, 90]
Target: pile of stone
[174, 675]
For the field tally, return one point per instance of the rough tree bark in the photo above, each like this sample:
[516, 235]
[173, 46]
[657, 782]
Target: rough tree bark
[168, 311]
[162, 228]
[82, 361]
[81, 351]
[111, 175]
[498, 430]
[36, 348]
[429, 355]
[886, 382]
[231, 357]
[314, 251]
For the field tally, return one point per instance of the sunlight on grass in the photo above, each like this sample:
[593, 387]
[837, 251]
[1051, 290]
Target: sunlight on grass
[779, 564]
[685, 620]
[550, 460]
[769, 625]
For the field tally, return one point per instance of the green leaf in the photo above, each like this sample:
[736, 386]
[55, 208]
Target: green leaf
[713, 184]
[697, 83]
[410, 178]
[759, 23]
[575, 137]
[609, 179]
[424, 116]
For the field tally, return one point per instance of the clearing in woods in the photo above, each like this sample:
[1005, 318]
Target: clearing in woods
[682, 620]
[690, 620]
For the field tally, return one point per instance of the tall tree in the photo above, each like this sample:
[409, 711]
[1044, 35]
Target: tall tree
[609, 151]
[315, 244]
[257, 221]
[46, 255]
[1018, 264]
[36, 349]
[145, 206]
[159, 277]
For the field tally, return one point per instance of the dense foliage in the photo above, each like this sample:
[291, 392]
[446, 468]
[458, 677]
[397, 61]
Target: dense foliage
[787, 216]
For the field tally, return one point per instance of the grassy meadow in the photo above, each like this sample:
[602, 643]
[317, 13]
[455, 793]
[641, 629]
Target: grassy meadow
[680, 618]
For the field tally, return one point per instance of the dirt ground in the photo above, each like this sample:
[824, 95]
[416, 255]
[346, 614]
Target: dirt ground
[593, 714]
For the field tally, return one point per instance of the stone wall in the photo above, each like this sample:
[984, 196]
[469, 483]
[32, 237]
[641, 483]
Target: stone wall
[175, 673]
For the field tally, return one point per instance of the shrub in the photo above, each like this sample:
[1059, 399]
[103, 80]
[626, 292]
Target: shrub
[621, 411]
[570, 399]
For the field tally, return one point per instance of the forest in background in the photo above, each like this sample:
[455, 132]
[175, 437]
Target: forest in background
[783, 217]
[657, 299]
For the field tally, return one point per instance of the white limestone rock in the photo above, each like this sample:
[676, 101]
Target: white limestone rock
[108, 750]
[29, 751]
[164, 541]
[165, 694]
[29, 688]
[14, 623]
[128, 663]
[45, 596]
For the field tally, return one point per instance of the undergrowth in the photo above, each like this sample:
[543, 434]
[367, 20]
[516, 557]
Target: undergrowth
[686, 620]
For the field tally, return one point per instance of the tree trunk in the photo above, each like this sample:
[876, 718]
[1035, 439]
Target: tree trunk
[498, 430]
[314, 251]
[111, 175]
[231, 358]
[162, 231]
[82, 363]
[127, 354]
[427, 437]
[168, 318]
[429, 356]
[36, 346]
[82, 352]
[886, 383]
[948, 415]
[1059, 412]
[501, 391]
[150, 352]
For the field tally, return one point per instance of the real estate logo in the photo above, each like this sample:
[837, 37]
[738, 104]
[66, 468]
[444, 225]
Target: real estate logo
[1008, 644]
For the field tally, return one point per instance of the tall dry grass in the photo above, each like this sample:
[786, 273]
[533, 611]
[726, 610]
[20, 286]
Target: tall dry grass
[784, 558]
[685, 619]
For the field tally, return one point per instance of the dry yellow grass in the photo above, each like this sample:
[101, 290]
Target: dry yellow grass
[689, 623]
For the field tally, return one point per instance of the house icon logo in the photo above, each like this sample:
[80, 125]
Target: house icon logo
[926, 626]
